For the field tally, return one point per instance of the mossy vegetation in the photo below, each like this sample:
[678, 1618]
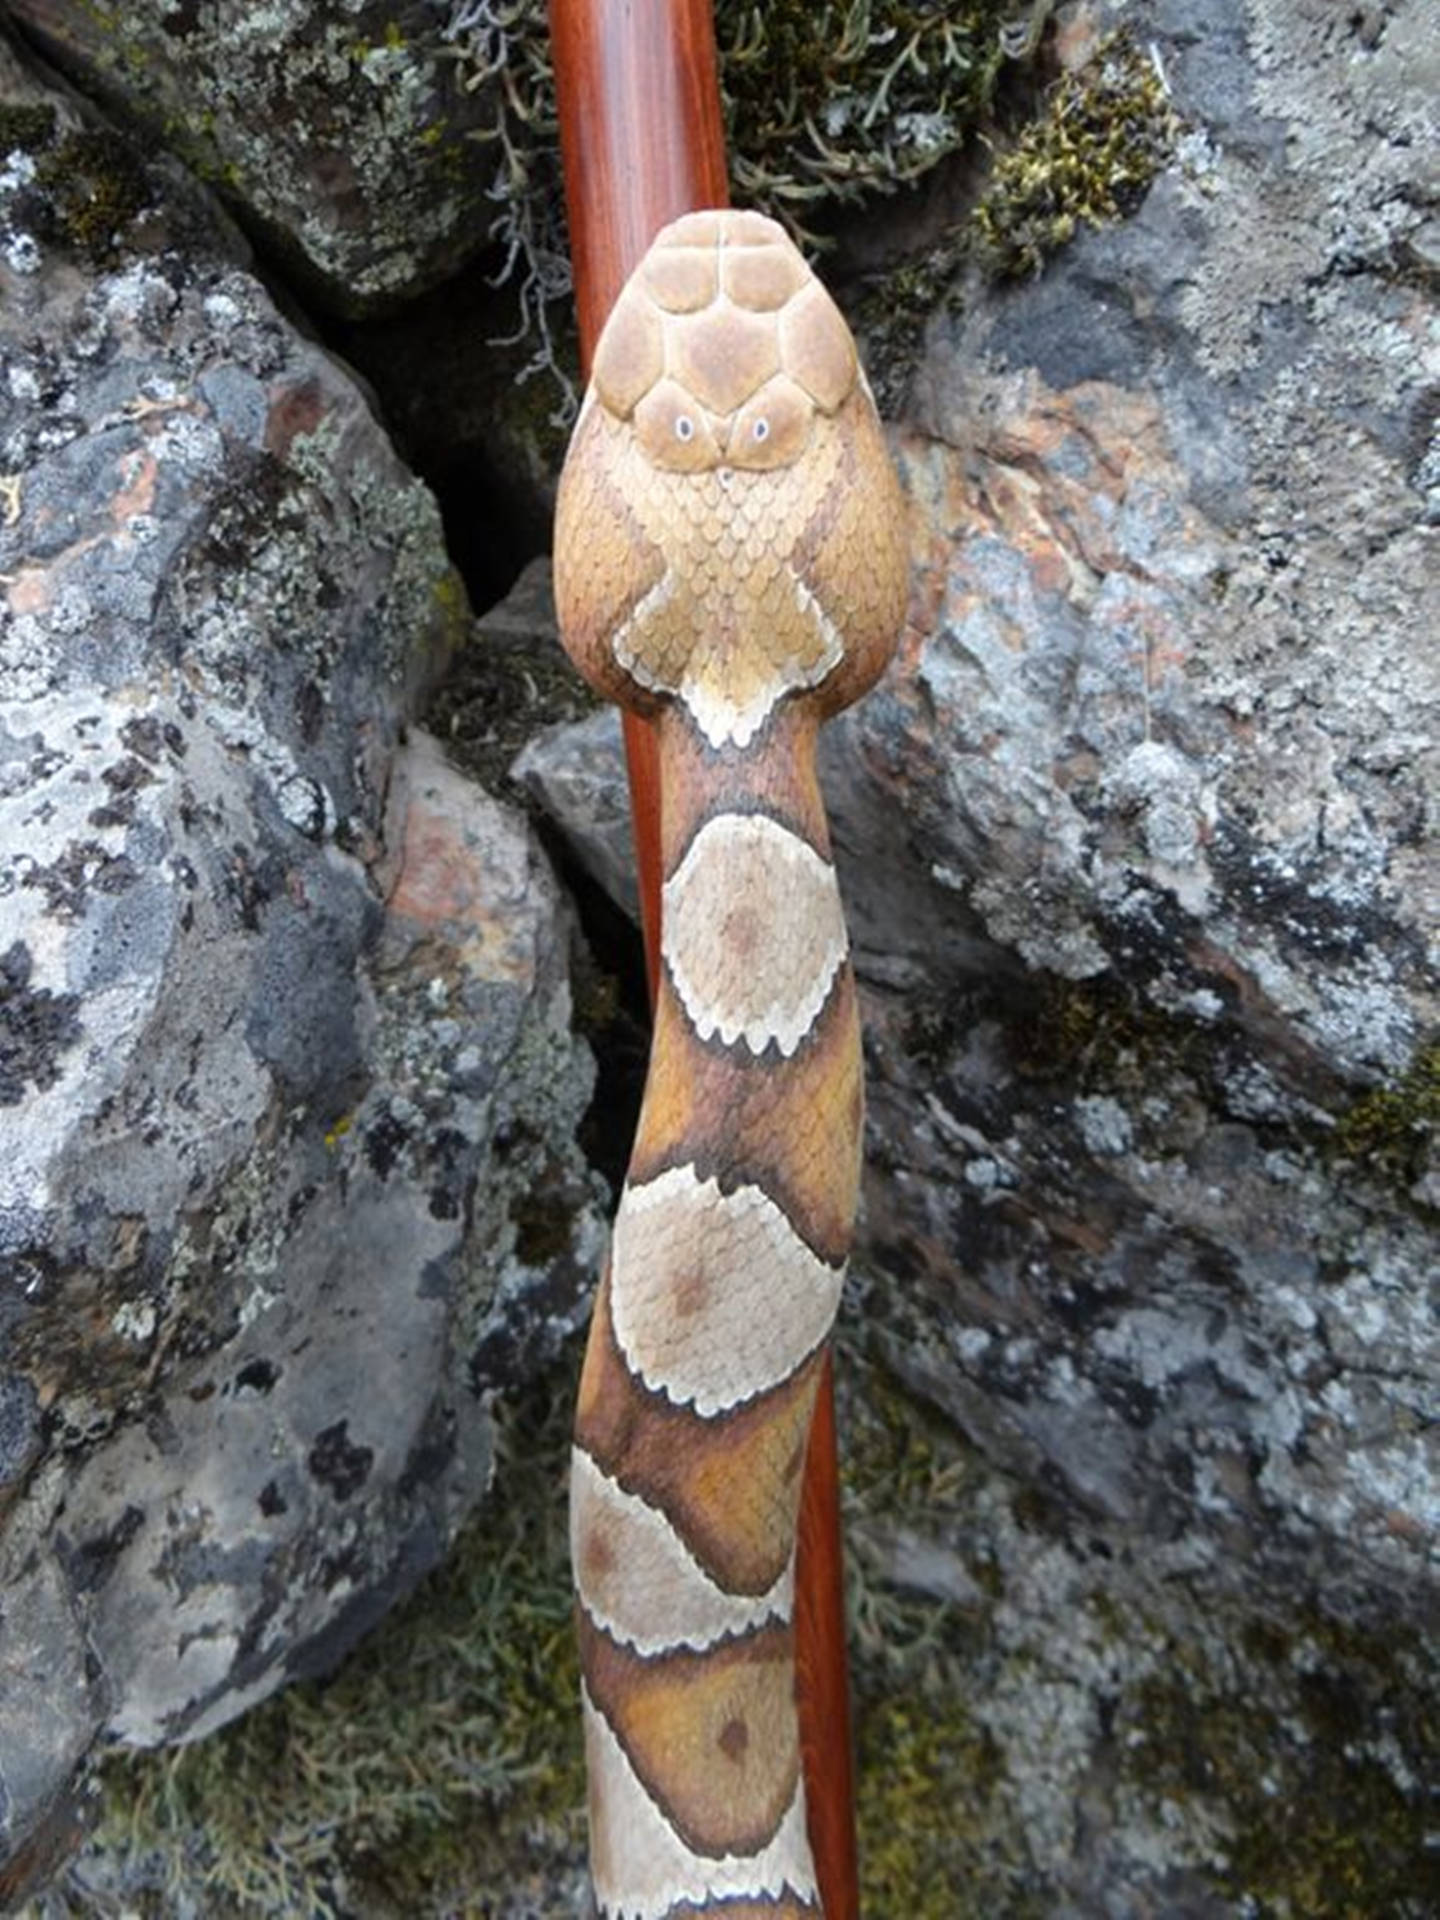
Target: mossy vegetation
[87, 184]
[843, 102]
[924, 1773]
[1100, 1035]
[25, 127]
[1393, 1131]
[441, 1758]
[927, 1770]
[1085, 156]
[1316, 1765]
[1096, 1036]
[1102, 135]
[94, 185]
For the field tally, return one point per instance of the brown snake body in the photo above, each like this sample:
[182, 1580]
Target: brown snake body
[729, 560]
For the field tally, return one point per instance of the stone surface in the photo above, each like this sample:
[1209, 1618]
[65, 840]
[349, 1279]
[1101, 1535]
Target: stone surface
[287, 1085]
[576, 774]
[342, 133]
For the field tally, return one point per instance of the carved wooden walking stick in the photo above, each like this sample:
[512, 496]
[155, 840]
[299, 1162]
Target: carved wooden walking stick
[729, 562]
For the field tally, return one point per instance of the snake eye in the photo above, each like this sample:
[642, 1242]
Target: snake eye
[773, 427]
[672, 429]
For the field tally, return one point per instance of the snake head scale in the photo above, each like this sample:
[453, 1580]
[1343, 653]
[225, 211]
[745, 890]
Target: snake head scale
[729, 531]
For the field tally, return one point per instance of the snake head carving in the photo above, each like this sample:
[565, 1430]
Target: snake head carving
[729, 532]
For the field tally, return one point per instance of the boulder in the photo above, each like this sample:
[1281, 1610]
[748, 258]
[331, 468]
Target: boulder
[287, 1085]
[346, 136]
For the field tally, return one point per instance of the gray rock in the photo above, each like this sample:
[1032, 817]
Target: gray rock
[344, 135]
[576, 774]
[285, 1059]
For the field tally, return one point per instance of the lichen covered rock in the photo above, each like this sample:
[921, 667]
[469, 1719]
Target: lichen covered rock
[343, 132]
[285, 1056]
[1139, 845]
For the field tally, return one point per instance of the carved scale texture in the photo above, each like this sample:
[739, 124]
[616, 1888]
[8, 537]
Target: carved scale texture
[730, 560]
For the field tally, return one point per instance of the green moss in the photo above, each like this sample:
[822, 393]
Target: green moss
[451, 600]
[891, 318]
[1099, 139]
[443, 1753]
[1317, 1759]
[88, 185]
[1104, 134]
[93, 185]
[25, 128]
[925, 1772]
[1077, 1030]
[1392, 1130]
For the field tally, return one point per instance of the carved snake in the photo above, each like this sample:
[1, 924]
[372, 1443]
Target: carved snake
[730, 561]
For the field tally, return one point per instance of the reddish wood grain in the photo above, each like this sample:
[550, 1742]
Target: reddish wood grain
[642, 141]
[640, 132]
[821, 1670]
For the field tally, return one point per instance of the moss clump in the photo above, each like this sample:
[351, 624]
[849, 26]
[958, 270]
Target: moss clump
[93, 185]
[843, 102]
[1102, 1035]
[893, 315]
[1392, 1131]
[1101, 136]
[924, 1770]
[927, 1772]
[446, 1751]
[1105, 133]
[25, 129]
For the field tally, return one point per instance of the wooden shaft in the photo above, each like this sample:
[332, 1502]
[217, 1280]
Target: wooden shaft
[822, 1677]
[641, 136]
[642, 141]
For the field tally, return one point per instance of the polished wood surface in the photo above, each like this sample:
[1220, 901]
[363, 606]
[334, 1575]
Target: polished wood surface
[822, 1675]
[642, 141]
[641, 135]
